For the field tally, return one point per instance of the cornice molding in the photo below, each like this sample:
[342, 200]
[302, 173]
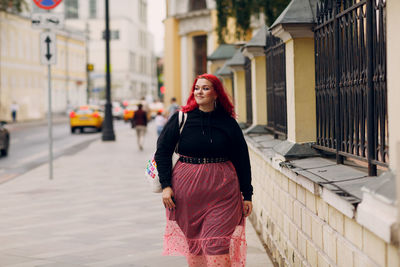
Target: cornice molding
[192, 14]
[292, 31]
[253, 51]
[236, 67]
[193, 24]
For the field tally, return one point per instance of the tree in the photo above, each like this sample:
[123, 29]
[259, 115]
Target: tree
[15, 6]
[242, 10]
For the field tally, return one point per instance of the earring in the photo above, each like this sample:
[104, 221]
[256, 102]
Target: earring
[215, 103]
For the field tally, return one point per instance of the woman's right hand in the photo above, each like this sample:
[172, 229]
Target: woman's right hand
[167, 195]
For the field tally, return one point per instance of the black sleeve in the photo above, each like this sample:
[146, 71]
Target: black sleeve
[165, 148]
[241, 161]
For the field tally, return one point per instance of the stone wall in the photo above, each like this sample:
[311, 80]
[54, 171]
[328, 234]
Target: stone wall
[301, 229]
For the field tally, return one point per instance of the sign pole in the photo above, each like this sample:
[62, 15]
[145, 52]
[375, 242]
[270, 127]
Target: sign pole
[48, 54]
[50, 118]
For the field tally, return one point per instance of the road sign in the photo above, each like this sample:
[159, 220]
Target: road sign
[47, 4]
[48, 48]
[47, 21]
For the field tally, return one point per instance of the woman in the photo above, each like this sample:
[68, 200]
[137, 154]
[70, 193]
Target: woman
[208, 193]
[159, 121]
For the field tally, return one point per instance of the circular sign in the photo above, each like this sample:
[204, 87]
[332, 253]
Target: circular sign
[47, 4]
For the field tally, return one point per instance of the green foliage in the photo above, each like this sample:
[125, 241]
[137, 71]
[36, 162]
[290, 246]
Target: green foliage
[242, 11]
[14, 6]
[223, 12]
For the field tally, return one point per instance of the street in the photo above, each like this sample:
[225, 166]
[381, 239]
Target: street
[29, 145]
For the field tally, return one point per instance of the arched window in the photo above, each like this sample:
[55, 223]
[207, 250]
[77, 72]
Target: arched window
[197, 4]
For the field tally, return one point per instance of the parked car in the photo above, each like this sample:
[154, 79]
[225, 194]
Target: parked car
[4, 139]
[89, 116]
[117, 111]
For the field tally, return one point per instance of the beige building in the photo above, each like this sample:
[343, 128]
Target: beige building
[190, 38]
[132, 58]
[23, 79]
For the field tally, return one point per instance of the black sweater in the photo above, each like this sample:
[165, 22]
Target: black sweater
[212, 134]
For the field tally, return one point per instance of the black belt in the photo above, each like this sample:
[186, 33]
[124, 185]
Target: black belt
[202, 160]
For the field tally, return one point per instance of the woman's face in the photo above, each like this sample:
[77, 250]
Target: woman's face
[204, 93]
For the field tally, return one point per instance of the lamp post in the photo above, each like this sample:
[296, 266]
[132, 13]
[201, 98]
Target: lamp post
[108, 129]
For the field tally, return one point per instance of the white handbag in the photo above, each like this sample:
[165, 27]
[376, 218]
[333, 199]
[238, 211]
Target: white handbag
[151, 172]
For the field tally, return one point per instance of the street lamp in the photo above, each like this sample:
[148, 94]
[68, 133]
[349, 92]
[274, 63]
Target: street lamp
[108, 129]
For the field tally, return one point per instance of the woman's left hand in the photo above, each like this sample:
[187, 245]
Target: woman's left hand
[247, 208]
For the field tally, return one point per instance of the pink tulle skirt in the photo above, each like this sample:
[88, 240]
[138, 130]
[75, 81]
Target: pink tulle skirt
[207, 225]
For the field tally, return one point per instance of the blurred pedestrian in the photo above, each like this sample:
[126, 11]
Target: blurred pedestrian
[160, 121]
[14, 109]
[139, 121]
[208, 194]
[173, 107]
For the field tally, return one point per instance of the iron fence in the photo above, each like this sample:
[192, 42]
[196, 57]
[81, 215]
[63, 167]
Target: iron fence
[249, 105]
[351, 94]
[276, 86]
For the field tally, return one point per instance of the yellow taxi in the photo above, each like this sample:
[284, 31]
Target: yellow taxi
[129, 112]
[89, 116]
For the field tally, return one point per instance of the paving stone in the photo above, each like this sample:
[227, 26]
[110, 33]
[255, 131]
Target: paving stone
[97, 211]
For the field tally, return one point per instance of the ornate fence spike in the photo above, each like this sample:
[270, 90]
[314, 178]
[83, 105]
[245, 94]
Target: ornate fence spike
[318, 13]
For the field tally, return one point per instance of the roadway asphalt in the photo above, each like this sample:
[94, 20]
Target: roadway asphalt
[29, 146]
[97, 211]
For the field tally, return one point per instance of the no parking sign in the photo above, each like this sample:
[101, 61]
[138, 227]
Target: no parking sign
[47, 4]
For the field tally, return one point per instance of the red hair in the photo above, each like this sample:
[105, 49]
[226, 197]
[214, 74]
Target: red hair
[222, 98]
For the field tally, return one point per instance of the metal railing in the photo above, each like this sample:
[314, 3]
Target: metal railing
[276, 86]
[249, 105]
[351, 94]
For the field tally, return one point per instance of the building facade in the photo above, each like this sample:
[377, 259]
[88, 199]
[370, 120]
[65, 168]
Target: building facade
[24, 79]
[133, 63]
[190, 39]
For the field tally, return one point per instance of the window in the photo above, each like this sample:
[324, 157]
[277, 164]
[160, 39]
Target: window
[142, 64]
[142, 39]
[114, 35]
[132, 87]
[93, 9]
[200, 54]
[3, 42]
[132, 61]
[143, 10]
[197, 5]
[4, 80]
[143, 89]
[71, 9]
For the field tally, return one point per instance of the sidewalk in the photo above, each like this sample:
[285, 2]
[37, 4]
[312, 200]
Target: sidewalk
[56, 119]
[97, 211]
